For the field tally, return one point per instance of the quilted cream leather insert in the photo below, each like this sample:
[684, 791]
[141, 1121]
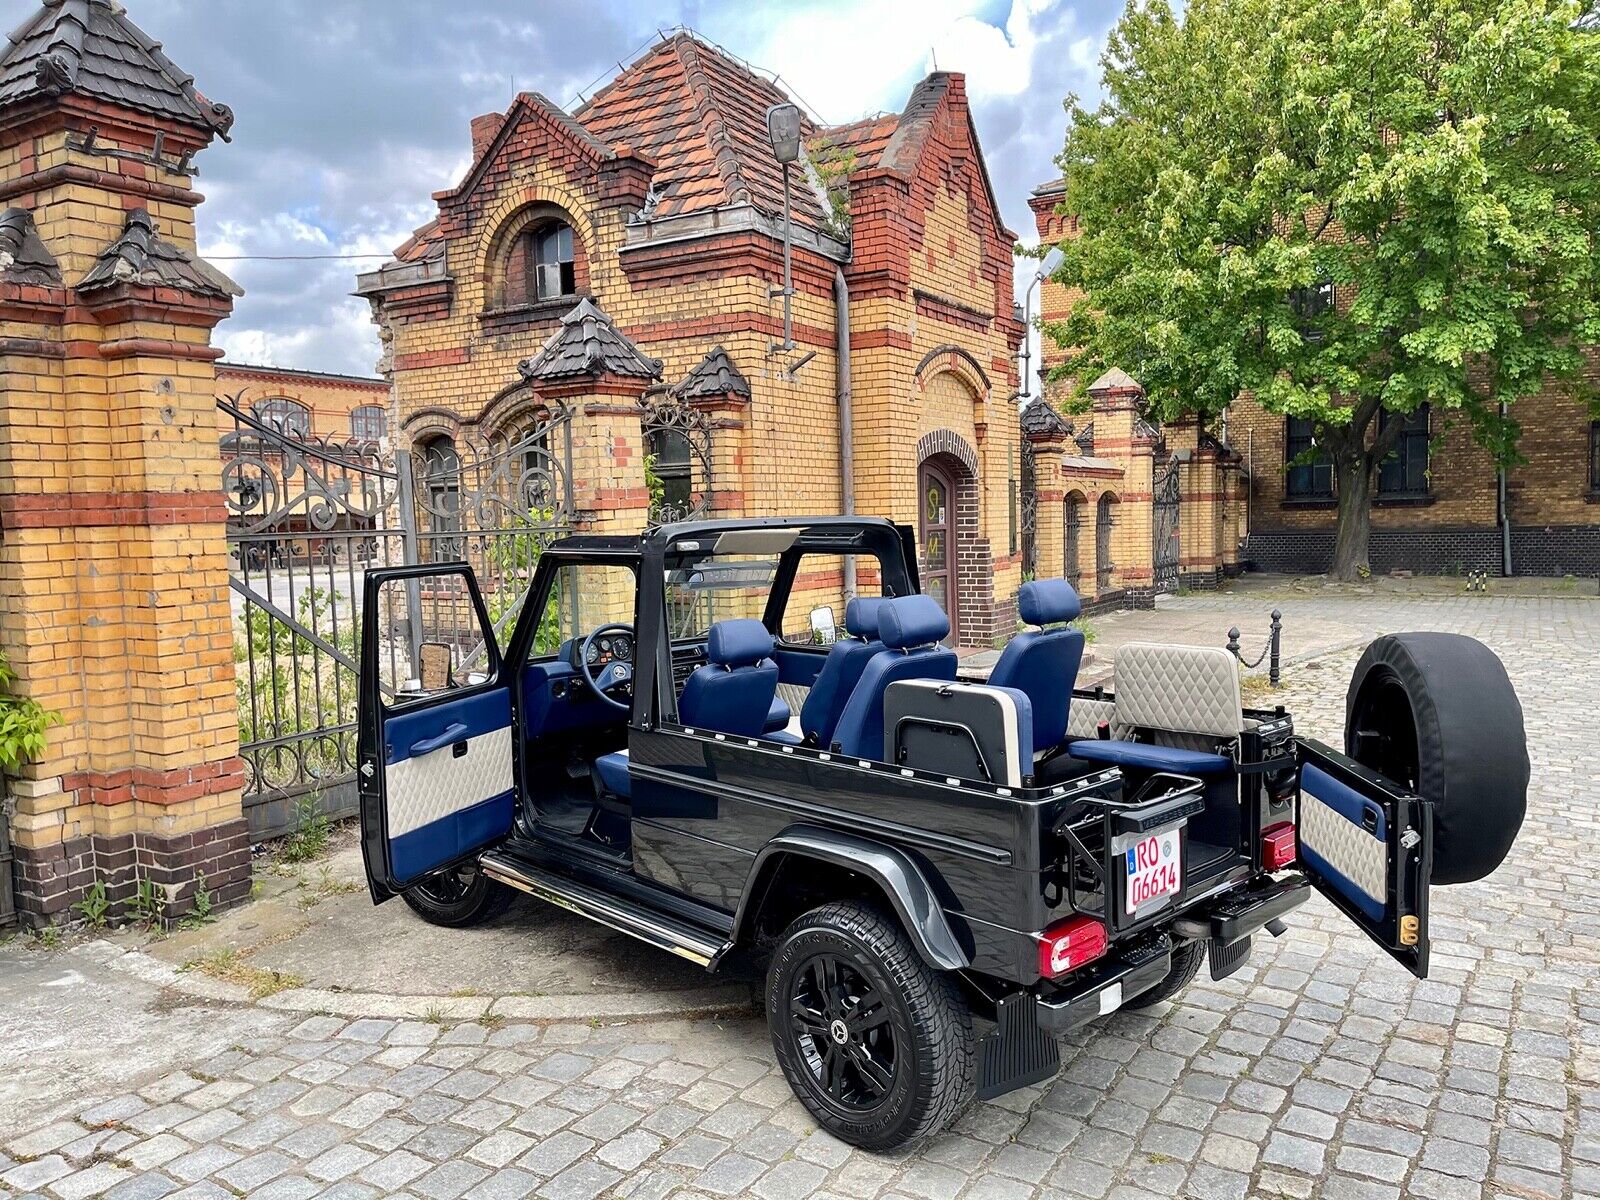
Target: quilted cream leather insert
[424, 790]
[1356, 854]
[1186, 689]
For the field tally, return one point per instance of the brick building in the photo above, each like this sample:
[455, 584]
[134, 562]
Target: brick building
[1437, 506]
[327, 407]
[626, 258]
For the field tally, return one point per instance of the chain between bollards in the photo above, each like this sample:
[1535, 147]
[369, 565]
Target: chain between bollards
[1272, 651]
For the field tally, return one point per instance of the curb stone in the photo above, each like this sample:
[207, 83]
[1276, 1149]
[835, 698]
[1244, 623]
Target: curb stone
[355, 1005]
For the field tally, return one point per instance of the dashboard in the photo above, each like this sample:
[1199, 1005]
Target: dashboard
[610, 647]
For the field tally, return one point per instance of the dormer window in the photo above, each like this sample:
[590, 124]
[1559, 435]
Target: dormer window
[538, 260]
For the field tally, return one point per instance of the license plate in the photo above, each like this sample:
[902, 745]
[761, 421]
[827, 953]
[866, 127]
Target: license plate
[1155, 870]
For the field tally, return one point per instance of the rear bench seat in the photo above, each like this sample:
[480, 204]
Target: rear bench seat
[1177, 707]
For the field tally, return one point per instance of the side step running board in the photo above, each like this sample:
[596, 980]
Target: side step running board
[661, 930]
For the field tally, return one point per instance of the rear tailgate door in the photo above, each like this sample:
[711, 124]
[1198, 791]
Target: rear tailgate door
[1367, 845]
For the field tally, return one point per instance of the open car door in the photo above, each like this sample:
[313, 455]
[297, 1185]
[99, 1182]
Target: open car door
[435, 746]
[1367, 845]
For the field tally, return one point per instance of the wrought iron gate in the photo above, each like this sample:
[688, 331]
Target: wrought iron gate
[1164, 522]
[307, 517]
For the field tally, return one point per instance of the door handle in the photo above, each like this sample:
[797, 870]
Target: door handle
[452, 733]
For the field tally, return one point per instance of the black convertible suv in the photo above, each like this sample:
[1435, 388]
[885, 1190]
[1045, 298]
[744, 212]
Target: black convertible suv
[670, 735]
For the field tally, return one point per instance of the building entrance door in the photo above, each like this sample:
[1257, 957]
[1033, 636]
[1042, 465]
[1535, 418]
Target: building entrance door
[936, 534]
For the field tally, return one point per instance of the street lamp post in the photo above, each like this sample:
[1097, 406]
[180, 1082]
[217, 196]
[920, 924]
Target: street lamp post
[1048, 267]
[783, 128]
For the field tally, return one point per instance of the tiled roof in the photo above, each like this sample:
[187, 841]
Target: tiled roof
[1041, 420]
[865, 139]
[423, 241]
[24, 258]
[701, 117]
[140, 256]
[588, 344]
[715, 375]
[90, 48]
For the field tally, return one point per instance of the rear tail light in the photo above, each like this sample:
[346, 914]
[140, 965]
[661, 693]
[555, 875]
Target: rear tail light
[1278, 846]
[1071, 944]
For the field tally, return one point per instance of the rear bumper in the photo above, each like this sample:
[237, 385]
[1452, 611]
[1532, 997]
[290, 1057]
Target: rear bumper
[1114, 981]
[1237, 914]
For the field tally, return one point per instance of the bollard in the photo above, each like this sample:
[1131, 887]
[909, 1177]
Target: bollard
[1233, 641]
[1274, 670]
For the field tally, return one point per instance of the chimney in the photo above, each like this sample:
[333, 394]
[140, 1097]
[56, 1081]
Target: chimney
[483, 130]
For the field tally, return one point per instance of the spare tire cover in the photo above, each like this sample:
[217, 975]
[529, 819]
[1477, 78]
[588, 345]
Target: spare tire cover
[1472, 749]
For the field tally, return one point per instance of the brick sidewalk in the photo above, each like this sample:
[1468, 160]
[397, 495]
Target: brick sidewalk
[1321, 1069]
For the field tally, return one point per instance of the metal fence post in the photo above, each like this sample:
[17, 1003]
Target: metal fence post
[1233, 641]
[411, 556]
[1274, 669]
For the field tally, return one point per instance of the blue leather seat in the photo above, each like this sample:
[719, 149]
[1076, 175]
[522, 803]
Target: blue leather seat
[910, 628]
[1151, 757]
[1044, 664]
[732, 694]
[841, 671]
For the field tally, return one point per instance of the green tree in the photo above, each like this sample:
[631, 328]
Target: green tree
[1432, 164]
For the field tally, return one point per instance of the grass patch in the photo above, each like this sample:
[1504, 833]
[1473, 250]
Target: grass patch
[314, 891]
[312, 829]
[229, 966]
[1253, 689]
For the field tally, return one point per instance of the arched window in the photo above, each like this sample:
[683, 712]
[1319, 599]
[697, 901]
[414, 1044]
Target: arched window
[1104, 522]
[288, 417]
[367, 423]
[670, 459]
[540, 265]
[441, 488]
[1072, 529]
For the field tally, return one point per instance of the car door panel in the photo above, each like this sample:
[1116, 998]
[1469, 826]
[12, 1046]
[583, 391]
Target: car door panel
[448, 781]
[1367, 845]
[437, 774]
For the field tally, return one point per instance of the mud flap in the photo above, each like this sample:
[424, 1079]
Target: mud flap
[1227, 958]
[1018, 1052]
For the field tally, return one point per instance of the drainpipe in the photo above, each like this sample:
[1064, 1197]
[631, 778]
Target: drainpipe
[1505, 513]
[847, 453]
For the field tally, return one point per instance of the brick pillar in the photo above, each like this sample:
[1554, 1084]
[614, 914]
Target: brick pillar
[113, 560]
[1122, 437]
[1049, 539]
[1230, 523]
[607, 454]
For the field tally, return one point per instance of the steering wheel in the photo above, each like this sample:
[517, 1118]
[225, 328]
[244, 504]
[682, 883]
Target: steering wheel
[615, 674]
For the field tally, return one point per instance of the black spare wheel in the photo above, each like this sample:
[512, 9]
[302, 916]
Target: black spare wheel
[876, 1044]
[1436, 713]
[458, 897]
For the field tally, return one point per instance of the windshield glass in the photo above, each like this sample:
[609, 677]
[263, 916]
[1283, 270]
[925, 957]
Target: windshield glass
[716, 587]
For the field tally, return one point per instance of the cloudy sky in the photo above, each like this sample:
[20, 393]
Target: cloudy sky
[352, 112]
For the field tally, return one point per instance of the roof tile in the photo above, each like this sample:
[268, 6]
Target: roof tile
[588, 343]
[141, 256]
[24, 258]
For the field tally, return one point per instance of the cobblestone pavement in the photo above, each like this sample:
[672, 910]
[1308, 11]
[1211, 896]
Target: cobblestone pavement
[1322, 1069]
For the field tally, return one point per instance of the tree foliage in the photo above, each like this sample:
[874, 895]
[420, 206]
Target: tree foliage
[1436, 163]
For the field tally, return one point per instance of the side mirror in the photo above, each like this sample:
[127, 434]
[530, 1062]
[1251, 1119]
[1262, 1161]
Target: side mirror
[434, 663]
[823, 630]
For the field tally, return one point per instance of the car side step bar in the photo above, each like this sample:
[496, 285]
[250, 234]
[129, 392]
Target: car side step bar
[659, 929]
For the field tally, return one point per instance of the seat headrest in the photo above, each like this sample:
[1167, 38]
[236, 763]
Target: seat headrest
[908, 621]
[739, 642]
[1045, 601]
[861, 616]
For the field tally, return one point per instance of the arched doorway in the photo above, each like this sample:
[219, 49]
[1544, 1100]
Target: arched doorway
[936, 534]
[1072, 533]
[1104, 522]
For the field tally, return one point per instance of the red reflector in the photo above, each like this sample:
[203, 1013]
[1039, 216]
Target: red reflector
[1278, 846]
[1067, 946]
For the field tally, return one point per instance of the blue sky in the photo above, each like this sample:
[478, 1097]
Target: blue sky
[350, 113]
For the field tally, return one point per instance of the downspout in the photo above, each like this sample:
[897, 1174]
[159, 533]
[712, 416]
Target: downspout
[847, 453]
[1505, 512]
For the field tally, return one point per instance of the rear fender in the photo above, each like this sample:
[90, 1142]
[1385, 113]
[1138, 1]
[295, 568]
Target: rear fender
[891, 871]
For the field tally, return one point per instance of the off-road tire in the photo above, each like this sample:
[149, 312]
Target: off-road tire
[936, 1057]
[1186, 960]
[480, 898]
[1436, 713]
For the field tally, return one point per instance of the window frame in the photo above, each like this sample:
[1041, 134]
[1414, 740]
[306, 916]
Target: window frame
[364, 412]
[1406, 455]
[262, 410]
[1296, 442]
[565, 268]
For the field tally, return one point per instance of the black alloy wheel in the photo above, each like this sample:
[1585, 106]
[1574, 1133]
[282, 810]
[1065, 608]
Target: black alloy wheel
[876, 1043]
[843, 1032]
[458, 897]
